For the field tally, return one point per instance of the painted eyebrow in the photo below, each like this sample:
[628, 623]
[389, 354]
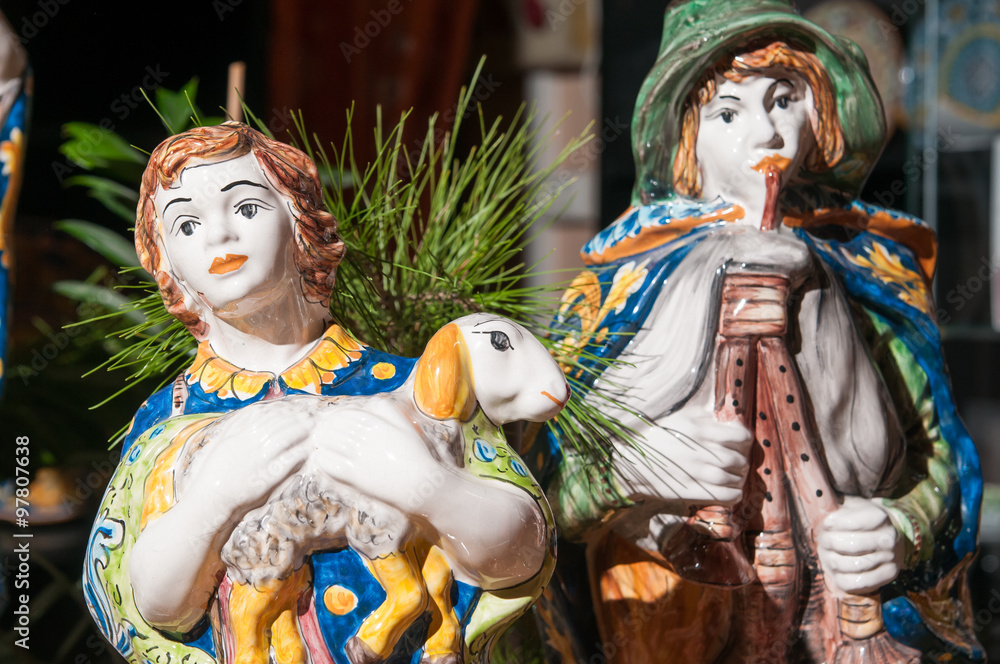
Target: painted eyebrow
[239, 182]
[176, 200]
[494, 320]
[729, 97]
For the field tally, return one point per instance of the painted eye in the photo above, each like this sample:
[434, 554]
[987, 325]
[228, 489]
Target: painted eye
[727, 116]
[782, 102]
[500, 340]
[518, 468]
[248, 210]
[484, 451]
[187, 228]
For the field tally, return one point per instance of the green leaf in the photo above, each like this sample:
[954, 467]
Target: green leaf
[91, 293]
[89, 146]
[116, 197]
[106, 242]
[177, 109]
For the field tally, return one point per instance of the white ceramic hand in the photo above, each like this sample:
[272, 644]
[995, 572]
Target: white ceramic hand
[859, 548]
[247, 456]
[690, 458]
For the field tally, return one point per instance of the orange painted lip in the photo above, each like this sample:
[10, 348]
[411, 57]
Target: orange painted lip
[772, 162]
[230, 263]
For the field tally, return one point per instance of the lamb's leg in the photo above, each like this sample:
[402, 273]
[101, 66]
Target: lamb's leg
[253, 610]
[406, 600]
[287, 641]
[444, 646]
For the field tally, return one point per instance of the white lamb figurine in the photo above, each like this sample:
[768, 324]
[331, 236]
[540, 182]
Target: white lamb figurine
[394, 476]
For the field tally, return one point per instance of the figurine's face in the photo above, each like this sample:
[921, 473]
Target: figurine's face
[227, 234]
[746, 122]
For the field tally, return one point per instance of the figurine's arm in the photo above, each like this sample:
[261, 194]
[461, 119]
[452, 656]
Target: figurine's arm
[867, 542]
[919, 504]
[175, 560]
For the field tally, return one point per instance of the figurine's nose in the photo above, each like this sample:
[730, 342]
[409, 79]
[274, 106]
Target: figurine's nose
[768, 137]
[221, 231]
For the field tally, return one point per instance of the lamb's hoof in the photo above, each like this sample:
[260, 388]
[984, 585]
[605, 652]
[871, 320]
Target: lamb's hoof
[450, 658]
[359, 653]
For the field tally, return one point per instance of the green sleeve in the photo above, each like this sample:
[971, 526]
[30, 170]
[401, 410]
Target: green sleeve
[584, 495]
[918, 504]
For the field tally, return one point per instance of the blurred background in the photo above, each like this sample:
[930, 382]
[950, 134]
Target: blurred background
[937, 63]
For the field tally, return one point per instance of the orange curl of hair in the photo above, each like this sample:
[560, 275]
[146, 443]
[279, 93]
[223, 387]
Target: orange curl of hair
[829, 143]
[318, 247]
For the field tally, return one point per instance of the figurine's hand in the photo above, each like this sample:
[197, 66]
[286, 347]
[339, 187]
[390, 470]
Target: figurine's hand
[378, 451]
[246, 456]
[780, 251]
[859, 548]
[691, 458]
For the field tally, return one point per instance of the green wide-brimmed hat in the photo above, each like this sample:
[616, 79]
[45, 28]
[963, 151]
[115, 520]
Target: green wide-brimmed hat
[699, 33]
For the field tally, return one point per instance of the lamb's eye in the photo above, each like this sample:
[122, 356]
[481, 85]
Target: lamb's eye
[500, 340]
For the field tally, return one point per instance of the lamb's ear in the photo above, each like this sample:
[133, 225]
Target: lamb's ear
[443, 387]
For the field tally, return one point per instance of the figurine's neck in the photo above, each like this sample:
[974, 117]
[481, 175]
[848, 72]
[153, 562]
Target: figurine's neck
[271, 339]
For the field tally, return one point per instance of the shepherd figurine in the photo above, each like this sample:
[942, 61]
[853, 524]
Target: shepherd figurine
[798, 487]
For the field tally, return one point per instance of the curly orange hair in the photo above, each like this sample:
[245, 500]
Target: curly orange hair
[829, 144]
[318, 247]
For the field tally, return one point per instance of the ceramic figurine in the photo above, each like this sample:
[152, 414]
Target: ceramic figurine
[800, 488]
[15, 86]
[295, 495]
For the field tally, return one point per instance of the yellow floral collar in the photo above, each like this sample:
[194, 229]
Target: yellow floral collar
[218, 377]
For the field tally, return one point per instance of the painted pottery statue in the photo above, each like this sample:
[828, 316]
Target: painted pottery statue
[801, 489]
[14, 91]
[295, 495]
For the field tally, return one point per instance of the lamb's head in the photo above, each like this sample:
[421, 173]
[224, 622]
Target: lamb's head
[494, 361]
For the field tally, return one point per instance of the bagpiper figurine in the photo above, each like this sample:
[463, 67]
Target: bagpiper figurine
[798, 486]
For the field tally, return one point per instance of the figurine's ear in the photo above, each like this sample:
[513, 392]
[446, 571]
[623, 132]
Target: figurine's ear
[443, 387]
